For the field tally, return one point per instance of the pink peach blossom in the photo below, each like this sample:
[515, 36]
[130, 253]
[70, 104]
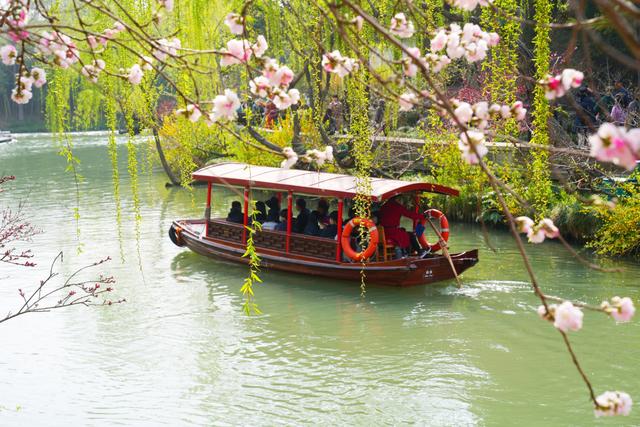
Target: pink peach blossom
[39, 76]
[616, 144]
[622, 309]
[611, 403]
[135, 74]
[401, 27]
[8, 54]
[519, 111]
[21, 96]
[260, 86]
[237, 52]
[463, 112]
[568, 317]
[524, 224]
[291, 158]
[439, 41]
[548, 228]
[282, 77]
[359, 22]
[407, 100]
[471, 145]
[235, 22]
[225, 106]
[167, 4]
[260, 46]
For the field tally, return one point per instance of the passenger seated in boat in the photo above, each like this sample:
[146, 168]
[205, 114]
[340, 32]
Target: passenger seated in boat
[389, 216]
[235, 214]
[312, 228]
[261, 215]
[323, 212]
[303, 216]
[274, 209]
[331, 229]
[350, 215]
[282, 225]
[273, 216]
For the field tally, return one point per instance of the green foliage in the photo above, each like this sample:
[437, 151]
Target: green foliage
[571, 217]
[89, 108]
[358, 99]
[619, 234]
[447, 168]
[112, 123]
[61, 83]
[249, 306]
[539, 189]
[502, 63]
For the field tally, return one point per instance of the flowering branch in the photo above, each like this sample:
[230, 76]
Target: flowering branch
[48, 296]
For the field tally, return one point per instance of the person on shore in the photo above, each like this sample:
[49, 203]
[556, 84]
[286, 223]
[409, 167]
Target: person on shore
[621, 94]
[270, 115]
[605, 104]
[303, 216]
[235, 214]
[337, 112]
[586, 115]
[633, 111]
[618, 113]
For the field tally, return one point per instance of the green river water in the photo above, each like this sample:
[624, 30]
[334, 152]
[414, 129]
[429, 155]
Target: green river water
[181, 352]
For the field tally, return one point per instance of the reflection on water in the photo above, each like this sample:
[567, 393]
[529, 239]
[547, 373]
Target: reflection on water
[181, 352]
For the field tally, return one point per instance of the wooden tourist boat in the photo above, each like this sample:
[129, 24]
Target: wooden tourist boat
[303, 254]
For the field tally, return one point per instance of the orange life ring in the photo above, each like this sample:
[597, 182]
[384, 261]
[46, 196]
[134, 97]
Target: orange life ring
[444, 230]
[346, 239]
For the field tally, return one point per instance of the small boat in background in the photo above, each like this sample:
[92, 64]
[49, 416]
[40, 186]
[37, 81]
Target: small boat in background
[312, 255]
[5, 136]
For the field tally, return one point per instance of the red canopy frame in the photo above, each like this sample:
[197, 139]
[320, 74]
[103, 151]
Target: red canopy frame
[309, 182]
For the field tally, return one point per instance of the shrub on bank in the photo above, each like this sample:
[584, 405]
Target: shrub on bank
[619, 233]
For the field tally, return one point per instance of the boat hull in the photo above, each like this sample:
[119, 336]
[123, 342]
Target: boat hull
[403, 272]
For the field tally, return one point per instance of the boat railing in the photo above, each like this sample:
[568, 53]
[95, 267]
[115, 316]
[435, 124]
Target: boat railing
[300, 244]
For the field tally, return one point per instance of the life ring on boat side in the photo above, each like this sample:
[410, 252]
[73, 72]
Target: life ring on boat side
[175, 234]
[346, 239]
[444, 229]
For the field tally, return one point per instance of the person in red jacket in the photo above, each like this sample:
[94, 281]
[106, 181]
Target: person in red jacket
[389, 217]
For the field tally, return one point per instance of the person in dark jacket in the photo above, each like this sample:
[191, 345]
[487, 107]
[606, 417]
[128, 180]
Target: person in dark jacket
[302, 218]
[235, 214]
[282, 225]
[331, 230]
[274, 209]
[323, 211]
[621, 94]
[586, 116]
[312, 228]
[261, 215]
[350, 215]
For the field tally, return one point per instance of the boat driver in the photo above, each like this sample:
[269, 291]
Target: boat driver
[389, 217]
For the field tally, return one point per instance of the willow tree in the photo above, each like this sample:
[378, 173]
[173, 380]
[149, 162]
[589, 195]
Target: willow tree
[539, 192]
